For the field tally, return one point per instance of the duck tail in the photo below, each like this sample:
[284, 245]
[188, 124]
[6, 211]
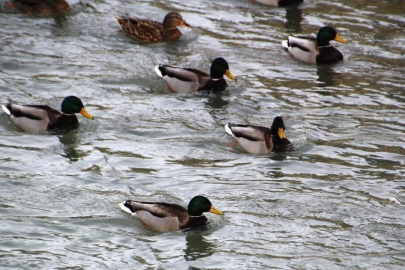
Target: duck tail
[285, 44]
[125, 206]
[228, 129]
[158, 70]
[7, 109]
[119, 19]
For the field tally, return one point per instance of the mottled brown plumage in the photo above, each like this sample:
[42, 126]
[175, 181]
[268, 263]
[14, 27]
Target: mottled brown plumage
[153, 31]
[41, 7]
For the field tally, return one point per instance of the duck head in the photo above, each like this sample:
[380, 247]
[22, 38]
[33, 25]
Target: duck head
[72, 105]
[326, 34]
[200, 204]
[174, 19]
[277, 128]
[219, 68]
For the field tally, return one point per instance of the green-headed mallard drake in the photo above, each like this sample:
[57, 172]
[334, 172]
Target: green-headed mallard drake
[315, 50]
[278, 3]
[260, 140]
[41, 7]
[187, 80]
[31, 118]
[153, 31]
[166, 217]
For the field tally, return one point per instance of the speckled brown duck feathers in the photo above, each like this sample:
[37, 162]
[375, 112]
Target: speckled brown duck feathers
[152, 31]
[41, 7]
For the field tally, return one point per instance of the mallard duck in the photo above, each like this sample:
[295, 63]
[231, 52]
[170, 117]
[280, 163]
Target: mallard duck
[187, 80]
[41, 7]
[315, 50]
[260, 140]
[165, 217]
[278, 3]
[31, 118]
[153, 31]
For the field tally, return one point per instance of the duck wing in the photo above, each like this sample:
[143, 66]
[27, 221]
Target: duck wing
[254, 139]
[56, 119]
[181, 80]
[35, 112]
[252, 133]
[162, 217]
[145, 30]
[29, 118]
[205, 82]
[305, 43]
[183, 74]
[302, 48]
[156, 209]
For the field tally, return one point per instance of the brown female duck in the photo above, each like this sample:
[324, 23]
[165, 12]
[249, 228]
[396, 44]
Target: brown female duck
[41, 7]
[153, 31]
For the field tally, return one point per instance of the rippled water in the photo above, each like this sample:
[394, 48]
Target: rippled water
[337, 202]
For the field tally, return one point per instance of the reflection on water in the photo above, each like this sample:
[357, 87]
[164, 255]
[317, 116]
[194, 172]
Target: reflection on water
[293, 19]
[60, 19]
[69, 142]
[216, 101]
[198, 247]
[326, 75]
[336, 200]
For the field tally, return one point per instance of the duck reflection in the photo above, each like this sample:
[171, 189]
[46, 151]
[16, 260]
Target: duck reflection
[293, 12]
[279, 156]
[215, 106]
[293, 19]
[183, 46]
[326, 75]
[70, 141]
[216, 101]
[198, 247]
[60, 20]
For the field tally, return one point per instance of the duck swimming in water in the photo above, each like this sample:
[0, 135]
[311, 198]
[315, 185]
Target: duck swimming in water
[31, 118]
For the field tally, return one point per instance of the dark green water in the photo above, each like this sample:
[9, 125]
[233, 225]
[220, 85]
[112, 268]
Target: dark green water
[337, 202]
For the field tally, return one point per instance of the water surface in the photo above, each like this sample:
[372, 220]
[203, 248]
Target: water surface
[337, 202]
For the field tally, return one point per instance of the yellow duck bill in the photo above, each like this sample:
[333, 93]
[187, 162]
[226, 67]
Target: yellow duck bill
[340, 39]
[216, 211]
[86, 114]
[229, 75]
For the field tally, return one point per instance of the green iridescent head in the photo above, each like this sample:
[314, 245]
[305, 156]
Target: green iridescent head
[277, 128]
[199, 204]
[219, 68]
[326, 34]
[72, 105]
